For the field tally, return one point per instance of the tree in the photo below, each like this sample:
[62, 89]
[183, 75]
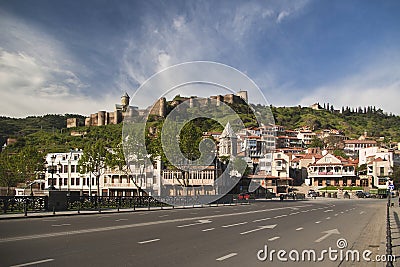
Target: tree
[189, 140]
[10, 170]
[395, 176]
[94, 160]
[339, 153]
[316, 142]
[32, 162]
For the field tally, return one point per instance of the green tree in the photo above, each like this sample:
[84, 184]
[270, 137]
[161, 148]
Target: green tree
[189, 140]
[95, 161]
[316, 142]
[10, 170]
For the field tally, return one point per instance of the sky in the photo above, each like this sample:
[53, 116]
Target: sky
[60, 57]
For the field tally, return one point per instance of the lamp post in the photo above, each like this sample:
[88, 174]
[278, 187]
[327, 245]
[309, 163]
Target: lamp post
[51, 169]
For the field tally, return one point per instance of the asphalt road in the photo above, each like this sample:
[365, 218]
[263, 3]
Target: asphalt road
[212, 236]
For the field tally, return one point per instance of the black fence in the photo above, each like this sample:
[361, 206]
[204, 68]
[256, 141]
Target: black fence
[62, 201]
[23, 204]
[77, 203]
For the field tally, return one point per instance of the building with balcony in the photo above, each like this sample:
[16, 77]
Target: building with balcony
[331, 170]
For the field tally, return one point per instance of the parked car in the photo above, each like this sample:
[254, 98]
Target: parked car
[312, 193]
[361, 194]
[244, 196]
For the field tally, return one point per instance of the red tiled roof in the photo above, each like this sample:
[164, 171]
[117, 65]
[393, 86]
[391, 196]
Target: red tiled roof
[360, 142]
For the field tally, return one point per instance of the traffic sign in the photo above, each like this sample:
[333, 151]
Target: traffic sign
[391, 187]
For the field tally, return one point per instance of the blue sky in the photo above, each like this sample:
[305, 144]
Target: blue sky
[80, 56]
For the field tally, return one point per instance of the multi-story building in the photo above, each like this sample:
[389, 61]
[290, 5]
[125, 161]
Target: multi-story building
[306, 137]
[365, 155]
[351, 147]
[62, 173]
[379, 171]
[331, 170]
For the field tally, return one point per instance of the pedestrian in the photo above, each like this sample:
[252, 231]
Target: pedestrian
[399, 201]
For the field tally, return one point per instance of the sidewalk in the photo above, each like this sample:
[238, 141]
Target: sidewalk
[395, 229]
[374, 238]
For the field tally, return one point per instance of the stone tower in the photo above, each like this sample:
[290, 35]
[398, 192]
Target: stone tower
[243, 95]
[125, 101]
[163, 107]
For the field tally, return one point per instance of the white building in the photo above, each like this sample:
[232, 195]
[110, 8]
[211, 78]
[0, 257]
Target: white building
[228, 142]
[62, 173]
[365, 155]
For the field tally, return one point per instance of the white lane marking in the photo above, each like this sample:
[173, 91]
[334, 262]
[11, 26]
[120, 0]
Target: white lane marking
[260, 228]
[294, 213]
[196, 223]
[209, 229]
[299, 229]
[32, 263]
[327, 233]
[318, 222]
[328, 210]
[63, 224]
[166, 215]
[217, 211]
[194, 213]
[305, 211]
[280, 216]
[123, 219]
[127, 226]
[342, 212]
[273, 238]
[235, 224]
[362, 212]
[336, 214]
[226, 257]
[260, 220]
[328, 218]
[49, 220]
[149, 241]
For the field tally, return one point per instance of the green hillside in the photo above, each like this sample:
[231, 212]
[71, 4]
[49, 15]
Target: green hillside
[353, 123]
[49, 133]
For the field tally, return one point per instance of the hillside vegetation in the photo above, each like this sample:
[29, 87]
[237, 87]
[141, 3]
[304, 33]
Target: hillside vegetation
[48, 133]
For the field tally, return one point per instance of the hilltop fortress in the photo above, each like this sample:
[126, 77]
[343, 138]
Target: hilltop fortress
[160, 108]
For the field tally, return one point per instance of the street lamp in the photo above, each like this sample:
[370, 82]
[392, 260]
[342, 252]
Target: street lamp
[51, 169]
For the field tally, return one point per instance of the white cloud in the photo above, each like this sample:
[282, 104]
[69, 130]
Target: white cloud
[282, 15]
[377, 84]
[36, 74]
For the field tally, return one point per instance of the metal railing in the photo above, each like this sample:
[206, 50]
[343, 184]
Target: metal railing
[23, 204]
[389, 246]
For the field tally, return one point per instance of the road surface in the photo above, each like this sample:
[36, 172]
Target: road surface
[242, 235]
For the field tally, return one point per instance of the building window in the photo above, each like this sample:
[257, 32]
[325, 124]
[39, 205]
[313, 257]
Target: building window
[65, 181]
[65, 167]
[73, 168]
[72, 181]
[78, 181]
[60, 181]
[84, 181]
[382, 171]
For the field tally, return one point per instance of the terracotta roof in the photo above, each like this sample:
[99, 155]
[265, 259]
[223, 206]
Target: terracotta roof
[360, 142]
